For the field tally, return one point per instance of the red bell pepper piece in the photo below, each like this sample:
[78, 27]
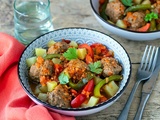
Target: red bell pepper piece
[89, 49]
[144, 28]
[101, 50]
[77, 101]
[88, 89]
[88, 59]
[90, 54]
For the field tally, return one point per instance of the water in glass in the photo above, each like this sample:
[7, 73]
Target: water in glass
[32, 19]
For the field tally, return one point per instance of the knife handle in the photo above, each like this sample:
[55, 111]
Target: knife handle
[144, 99]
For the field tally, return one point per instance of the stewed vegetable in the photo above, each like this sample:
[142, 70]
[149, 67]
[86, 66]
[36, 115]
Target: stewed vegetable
[134, 15]
[68, 74]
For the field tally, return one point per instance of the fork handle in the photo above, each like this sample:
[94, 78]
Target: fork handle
[125, 111]
[144, 99]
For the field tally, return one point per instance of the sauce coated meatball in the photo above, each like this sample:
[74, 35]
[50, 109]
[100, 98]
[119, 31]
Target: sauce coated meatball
[110, 66]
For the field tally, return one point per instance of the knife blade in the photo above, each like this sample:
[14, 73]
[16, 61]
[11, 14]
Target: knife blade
[148, 88]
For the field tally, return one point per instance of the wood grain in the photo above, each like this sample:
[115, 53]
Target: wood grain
[78, 13]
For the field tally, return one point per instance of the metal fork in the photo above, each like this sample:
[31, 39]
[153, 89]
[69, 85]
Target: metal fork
[144, 73]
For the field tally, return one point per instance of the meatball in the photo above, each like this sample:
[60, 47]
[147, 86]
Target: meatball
[34, 73]
[115, 10]
[58, 47]
[47, 68]
[135, 20]
[43, 68]
[157, 7]
[110, 66]
[60, 96]
[77, 69]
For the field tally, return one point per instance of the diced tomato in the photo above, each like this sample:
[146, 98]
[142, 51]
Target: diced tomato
[43, 80]
[99, 49]
[58, 68]
[102, 99]
[108, 54]
[77, 101]
[89, 49]
[74, 92]
[88, 89]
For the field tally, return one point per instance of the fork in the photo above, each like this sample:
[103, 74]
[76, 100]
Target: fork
[145, 70]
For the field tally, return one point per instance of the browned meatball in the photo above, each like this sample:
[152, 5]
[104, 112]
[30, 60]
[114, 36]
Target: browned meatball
[77, 69]
[45, 68]
[115, 10]
[110, 66]
[157, 7]
[58, 47]
[34, 73]
[60, 96]
[135, 20]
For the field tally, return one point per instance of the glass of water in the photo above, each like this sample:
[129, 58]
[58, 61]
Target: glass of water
[32, 18]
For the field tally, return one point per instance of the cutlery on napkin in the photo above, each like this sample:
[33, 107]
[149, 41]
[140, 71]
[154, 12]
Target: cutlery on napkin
[147, 89]
[14, 102]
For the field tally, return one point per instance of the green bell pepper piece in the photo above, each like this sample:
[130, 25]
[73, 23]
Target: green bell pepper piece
[114, 78]
[81, 83]
[138, 7]
[97, 88]
[50, 56]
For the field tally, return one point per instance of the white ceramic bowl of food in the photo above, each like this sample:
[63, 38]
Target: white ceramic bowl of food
[80, 35]
[130, 35]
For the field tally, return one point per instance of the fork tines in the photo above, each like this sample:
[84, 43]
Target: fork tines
[148, 60]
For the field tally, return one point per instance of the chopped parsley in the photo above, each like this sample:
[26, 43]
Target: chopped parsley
[151, 16]
[63, 78]
[127, 2]
[70, 54]
[95, 67]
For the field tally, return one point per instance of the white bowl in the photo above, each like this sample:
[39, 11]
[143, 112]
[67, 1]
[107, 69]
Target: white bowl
[130, 35]
[80, 35]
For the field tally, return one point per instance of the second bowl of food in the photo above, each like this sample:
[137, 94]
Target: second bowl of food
[74, 71]
[137, 20]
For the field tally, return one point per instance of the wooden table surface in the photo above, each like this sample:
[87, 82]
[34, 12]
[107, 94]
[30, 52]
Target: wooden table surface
[77, 13]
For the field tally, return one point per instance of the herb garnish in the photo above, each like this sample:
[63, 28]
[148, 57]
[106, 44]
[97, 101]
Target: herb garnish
[70, 54]
[127, 2]
[95, 67]
[151, 16]
[63, 78]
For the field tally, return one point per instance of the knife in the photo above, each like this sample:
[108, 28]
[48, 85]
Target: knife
[147, 89]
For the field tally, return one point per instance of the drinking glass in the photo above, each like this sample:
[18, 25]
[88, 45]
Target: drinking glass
[32, 18]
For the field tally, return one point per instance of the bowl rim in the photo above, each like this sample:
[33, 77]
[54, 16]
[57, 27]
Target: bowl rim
[33, 97]
[129, 31]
